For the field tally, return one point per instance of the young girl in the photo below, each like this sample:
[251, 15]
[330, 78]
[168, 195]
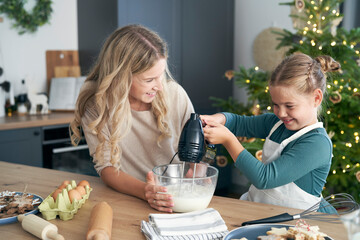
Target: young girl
[132, 113]
[297, 151]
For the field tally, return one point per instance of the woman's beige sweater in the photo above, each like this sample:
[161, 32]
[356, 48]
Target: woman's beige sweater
[140, 152]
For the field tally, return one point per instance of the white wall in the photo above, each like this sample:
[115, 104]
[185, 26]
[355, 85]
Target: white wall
[252, 17]
[350, 12]
[24, 55]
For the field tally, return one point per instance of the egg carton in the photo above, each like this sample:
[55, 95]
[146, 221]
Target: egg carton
[62, 206]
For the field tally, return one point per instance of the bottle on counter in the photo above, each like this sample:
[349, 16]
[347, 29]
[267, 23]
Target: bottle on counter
[22, 99]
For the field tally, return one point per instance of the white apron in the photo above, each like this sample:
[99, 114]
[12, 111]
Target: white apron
[288, 195]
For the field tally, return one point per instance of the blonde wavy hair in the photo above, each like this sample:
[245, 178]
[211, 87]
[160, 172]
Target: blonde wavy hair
[304, 72]
[129, 50]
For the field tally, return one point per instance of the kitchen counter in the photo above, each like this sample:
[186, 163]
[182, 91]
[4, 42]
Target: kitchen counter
[128, 211]
[26, 121]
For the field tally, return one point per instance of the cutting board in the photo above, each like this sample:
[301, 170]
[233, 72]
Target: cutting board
[61, 63]
[67, 71]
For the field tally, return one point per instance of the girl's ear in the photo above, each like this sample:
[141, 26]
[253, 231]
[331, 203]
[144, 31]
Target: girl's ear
[318, 97]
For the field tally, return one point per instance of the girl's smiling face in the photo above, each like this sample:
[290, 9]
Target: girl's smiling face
[295, 110]
[145, 86]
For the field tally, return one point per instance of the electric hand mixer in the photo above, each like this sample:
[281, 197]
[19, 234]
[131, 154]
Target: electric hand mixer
[192, 146]
[192, 182]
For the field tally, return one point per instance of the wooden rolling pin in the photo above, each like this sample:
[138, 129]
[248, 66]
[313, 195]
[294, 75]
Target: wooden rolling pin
[100, 222]
[39, 227]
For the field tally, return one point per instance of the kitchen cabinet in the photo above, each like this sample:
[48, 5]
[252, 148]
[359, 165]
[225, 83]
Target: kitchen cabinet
[43, 141]
[21, 136]
[22, 146]
[47, 146]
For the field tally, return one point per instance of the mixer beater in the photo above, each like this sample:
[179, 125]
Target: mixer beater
[192, 146]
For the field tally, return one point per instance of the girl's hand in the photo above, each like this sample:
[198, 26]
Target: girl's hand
[216, 133]
[155, 195]
[218, 118]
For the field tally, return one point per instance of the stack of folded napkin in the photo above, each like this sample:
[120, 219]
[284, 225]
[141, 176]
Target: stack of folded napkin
[202, 224]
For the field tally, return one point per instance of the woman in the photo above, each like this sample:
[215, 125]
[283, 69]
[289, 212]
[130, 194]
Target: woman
[132, 113]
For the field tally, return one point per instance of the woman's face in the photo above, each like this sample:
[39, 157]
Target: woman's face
[295, 110]
[145, 86]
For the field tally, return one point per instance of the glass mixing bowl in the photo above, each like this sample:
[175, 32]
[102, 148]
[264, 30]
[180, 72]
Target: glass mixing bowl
[191, 185]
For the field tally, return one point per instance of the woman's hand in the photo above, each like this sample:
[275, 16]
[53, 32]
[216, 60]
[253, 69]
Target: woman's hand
[155, 195]
[218, 118]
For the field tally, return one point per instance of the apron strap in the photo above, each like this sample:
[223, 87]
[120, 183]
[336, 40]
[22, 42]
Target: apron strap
[275, 127]
[302, 132]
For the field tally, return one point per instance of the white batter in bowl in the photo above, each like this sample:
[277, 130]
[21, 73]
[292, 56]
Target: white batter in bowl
[191, 185]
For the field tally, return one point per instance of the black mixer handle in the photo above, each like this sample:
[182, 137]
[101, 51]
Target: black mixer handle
[274, 219]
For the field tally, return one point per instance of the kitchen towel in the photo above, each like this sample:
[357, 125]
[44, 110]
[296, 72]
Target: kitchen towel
[202, 224]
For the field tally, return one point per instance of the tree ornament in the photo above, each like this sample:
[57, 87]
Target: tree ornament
[240, 139]
[229, 74]
[221, 161]
[255, 110]
[245, 139]
[358, 176]
[335, 97]
[25, 21]
[300, 5]
[250, 140]
[356, 94]
[296, 18]
[258, 155]
[334, 24]
[331, 134]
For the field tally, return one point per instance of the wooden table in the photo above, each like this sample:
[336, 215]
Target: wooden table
[128, 211]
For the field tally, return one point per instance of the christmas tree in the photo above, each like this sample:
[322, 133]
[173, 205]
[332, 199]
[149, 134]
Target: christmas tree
[316, 34]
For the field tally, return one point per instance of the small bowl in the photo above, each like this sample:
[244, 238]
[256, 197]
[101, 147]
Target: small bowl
[191, 185]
